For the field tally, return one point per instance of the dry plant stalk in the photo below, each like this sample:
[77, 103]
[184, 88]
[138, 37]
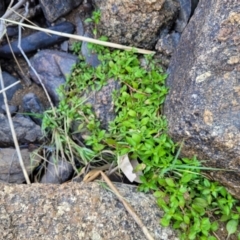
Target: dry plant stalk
[94, 174]
[13, 131]
[81, 38]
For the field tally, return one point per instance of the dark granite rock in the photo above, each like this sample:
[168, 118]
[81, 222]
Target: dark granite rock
[2, 8]
[10, 169]
[102, 102]
[203, 105]
[136, 23]
[102, 105]
[12, 109]
[54, 9]
[31, 104]
[52, 67]
[9, 80]
[184, 15]
[58, 171]
[79, 26]
[38, 40]
[166, 46]
[26, 131]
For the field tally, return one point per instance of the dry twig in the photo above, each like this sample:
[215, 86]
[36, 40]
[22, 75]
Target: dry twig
[13, 131]
[94, 174]
[81, 38]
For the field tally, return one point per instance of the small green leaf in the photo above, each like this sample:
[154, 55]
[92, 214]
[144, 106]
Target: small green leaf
[159, 194]
[214, 226]
[137, 138]
[165, 222]
[186, 178]
[186, 219]
[132, 113]
[212, 238]
[170, 182]
[232, 226]
[200, 202]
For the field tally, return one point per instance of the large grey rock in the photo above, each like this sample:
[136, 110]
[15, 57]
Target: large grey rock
[54, 9]
[26, 131]
[203, 105]
[76, 211]
[52, 67]
[135, 23]
[33, 106]
[10, 169]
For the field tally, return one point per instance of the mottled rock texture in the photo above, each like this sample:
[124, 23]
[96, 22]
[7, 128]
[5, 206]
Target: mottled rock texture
[57, 172]
[26, 131]
[10, 169]
[102, 102]
[203, 105]
[76, 211]
[137, 22]
[52, 66]
[54, 9]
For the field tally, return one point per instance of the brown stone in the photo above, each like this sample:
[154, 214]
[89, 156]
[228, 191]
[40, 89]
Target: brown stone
[135, 23]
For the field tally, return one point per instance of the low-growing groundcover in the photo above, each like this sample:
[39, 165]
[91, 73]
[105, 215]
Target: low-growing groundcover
[191, 203]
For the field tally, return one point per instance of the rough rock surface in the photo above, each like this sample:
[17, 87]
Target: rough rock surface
[58, 171]
[26, 131]
[203, 105]
[9, 80]
[166, 46]
[186, 9]
[2, 8]
[102, 102]
[52, 67]
[10, 169]
[54, 9]
[91, 57]
[33, 106]
[135, 23]
[76, 211]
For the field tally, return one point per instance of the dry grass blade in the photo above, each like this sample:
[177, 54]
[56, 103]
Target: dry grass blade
[13, 132]
[94, 174]
[8, 87]
[81, 38]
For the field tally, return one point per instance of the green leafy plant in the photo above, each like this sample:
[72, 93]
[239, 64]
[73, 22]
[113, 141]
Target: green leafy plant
[95, 19]
[192, 203]
[76, 47]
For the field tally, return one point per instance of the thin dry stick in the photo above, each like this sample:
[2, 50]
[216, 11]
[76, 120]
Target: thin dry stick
[125, 203]
[8, 87]
[81, 38]
[22, 74]
[128, 207]
[13, 131]
[14, 8]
